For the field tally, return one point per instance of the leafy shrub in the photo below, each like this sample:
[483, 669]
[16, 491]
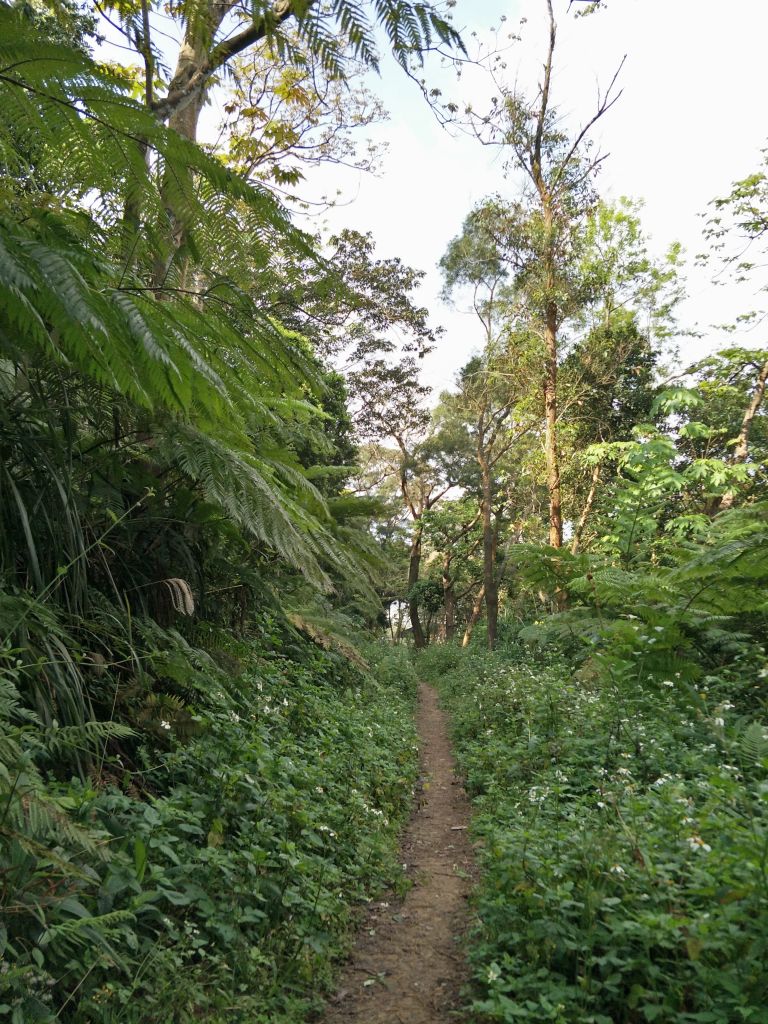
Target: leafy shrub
[437, 659]
[228, 892]
[624, 839]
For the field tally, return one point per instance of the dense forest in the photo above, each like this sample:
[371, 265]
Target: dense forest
[239, 527]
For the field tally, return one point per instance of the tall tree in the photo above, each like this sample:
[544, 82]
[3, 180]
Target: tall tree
[538, 235]
[491, 395]
[488, 405]
[451, 531]
[609, 371]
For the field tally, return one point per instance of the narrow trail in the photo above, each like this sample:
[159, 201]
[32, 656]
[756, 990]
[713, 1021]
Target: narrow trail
[407, 966]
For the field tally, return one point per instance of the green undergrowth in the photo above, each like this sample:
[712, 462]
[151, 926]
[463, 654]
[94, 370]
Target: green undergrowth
[216, 877]
[623, 828]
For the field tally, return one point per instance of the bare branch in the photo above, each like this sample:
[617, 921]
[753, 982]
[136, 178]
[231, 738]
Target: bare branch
[604, 104]
[535, 167]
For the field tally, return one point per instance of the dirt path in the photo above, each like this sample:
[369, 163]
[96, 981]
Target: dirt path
[406, 967]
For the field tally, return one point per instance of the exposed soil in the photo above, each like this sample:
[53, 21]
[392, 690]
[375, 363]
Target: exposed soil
[407, 965]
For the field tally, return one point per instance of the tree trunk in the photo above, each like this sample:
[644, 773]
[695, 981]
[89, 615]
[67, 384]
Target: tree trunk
[202, 57]
[741, 450]
[474, 617]
[490, 584]
[193, 56]
[192, 62]
[399, 631]
[550, 436]
[414, 567]
[449, 599]
[579, 531]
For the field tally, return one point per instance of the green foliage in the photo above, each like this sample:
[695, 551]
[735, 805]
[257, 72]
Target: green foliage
[178, 833]
[736, 231]
[200, 383]
[239, 873]
[623, 831]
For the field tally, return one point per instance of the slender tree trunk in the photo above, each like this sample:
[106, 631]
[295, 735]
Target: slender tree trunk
[741, 449]
[399, 631]
[477, 609]
[585, 512]
[449, 599]
[550, 436]
[414, 567]
[490, 584]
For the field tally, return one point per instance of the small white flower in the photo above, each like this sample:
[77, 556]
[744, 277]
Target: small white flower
[667, 682]
[617, 869]
[696, 843]
[165, 725]
[494, 973]
[719, 722]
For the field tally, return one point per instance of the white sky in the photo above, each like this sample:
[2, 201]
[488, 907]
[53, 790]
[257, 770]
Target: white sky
[690, 121]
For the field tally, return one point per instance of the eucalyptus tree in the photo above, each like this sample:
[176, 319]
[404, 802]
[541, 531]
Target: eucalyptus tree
[538, 234]
[492, 397]
[407, 470]
[617, 344]
[424, 480]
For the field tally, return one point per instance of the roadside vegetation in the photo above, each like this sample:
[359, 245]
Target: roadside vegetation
[622, 834]
[231, 508]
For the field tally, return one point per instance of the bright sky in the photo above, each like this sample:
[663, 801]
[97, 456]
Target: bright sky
[690, 121]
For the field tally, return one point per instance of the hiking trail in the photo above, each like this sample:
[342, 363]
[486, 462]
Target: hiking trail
[407, 965]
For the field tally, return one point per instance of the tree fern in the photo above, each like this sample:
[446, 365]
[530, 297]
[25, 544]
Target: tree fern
[754, 742]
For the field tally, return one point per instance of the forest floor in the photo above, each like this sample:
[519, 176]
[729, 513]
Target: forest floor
[407, 965]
